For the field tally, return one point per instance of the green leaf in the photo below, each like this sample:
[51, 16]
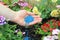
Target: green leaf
[1, 34]
[28, 9]
[58, 2]
[15, 8]
[14, 1]
[59, 36]
[7, 1]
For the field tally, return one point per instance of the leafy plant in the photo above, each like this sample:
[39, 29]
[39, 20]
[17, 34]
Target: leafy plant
[7, 33]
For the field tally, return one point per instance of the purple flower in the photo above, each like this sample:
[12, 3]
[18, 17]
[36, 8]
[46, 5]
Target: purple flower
[24, 4]
[2, 20]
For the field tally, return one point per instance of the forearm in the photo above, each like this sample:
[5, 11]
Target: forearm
[6, 12]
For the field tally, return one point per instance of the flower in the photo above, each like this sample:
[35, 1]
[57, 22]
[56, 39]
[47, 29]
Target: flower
[35, 10]
[54, 13]
[2, 20]
[45, 27]
[58, 6]
[55, 31]
[58, 23]
[48, 38]
[23, 33]
[54, 23]
[51, 29]
[16, 31]
[50, 25]
[24, 4]
[54, 0]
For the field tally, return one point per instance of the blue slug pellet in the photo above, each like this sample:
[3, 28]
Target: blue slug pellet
[29, 19]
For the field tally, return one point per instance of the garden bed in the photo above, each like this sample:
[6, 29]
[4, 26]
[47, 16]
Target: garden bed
[48, 29]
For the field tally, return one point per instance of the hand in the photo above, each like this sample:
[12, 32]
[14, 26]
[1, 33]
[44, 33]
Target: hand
[3, 4]
[19, 18]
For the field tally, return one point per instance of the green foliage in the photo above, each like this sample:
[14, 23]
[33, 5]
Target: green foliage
[59, 36]
[58, 2]
[9, 2]
[28, 9]
[14, 1]
[40, 31]
[7, 33]
[45, 7]
[15, 8]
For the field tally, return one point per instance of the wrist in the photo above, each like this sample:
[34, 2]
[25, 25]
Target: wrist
[7, 13]
[12, 16]
[15, 17]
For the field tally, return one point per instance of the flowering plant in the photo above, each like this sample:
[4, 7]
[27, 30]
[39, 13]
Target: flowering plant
[46, 9]
[7, 31]
[50, 25]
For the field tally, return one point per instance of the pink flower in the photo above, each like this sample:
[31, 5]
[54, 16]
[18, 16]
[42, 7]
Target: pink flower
[58, 6]
[55, 31]
[48, 38]
[24, 4]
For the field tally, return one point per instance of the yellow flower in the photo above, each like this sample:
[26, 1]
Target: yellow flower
[54, 0]
[54, 13]
[35, 10]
